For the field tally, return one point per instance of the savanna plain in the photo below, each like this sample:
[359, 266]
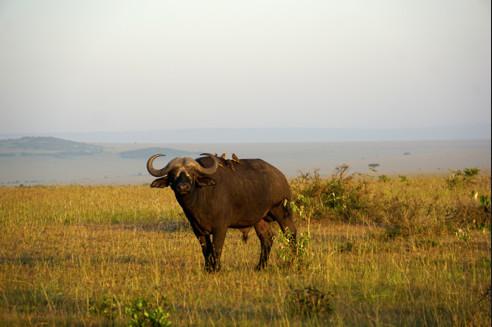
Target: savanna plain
[373, 250]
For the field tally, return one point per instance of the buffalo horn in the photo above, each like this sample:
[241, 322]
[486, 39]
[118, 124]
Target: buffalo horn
[157, 172]
[203, 170]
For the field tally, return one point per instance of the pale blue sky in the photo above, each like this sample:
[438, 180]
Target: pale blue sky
[83, 66]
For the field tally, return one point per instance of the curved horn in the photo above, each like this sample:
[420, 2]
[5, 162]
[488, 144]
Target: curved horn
[157, 172]
[206, 171]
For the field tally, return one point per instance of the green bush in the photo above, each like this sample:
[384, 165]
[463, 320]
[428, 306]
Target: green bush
[403, 178]
[291, 253]
[106, 307]
[469, 214]
[404, 207]
[485, 203]
[310, 302]
[383, 178]
[470, 172]
[142, 314]
[462, 177]
[344, 198]
[339, 197]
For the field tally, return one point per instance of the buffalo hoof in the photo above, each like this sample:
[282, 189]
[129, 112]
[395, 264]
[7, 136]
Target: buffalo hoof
[260, 266]
[212, 269]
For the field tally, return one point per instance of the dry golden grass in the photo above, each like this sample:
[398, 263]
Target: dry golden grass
[64, 251]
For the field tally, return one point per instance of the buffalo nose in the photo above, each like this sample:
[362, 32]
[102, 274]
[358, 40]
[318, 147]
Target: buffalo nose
[183, 187]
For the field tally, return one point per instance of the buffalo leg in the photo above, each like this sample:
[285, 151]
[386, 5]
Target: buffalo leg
[207, 248]
[265, 235]
[217, 244]
[206, 245]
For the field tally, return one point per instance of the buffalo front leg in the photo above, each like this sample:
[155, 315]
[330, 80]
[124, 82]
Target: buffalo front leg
[265, 235]
[206, 246]
[207, 251]
[218, 237]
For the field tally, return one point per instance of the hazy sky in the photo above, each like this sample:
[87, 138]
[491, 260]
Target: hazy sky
[139, 65]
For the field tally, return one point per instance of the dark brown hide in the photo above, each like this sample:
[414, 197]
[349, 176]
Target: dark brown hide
[251, 194]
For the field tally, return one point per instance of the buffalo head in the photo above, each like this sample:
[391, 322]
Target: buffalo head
[182, 174]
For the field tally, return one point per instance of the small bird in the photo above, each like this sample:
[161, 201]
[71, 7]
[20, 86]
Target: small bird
[235, 158]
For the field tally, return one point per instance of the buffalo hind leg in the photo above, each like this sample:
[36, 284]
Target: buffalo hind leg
[265, 235]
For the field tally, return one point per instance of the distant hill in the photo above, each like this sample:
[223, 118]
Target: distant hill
[283, 135]
[46, 146]
[147, 152]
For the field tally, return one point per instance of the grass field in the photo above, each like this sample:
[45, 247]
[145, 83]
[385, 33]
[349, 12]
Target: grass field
[399, 251]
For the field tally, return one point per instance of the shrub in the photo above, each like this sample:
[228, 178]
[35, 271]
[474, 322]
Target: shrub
[403, 178]
[400, 217]
[373, 166]
[466, 213]
[424, 206]
[106, 307]
[293, 254]
[340, 197]
[462, 177]
[142, 314]
[383, 178]
[470, 172]
[485, 203]
[344, 197]
[310, 302]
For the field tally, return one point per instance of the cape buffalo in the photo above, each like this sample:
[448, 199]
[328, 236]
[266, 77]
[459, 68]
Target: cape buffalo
[217, 194]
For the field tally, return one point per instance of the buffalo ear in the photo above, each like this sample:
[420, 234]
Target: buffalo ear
[204, 181]
[160, 182]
